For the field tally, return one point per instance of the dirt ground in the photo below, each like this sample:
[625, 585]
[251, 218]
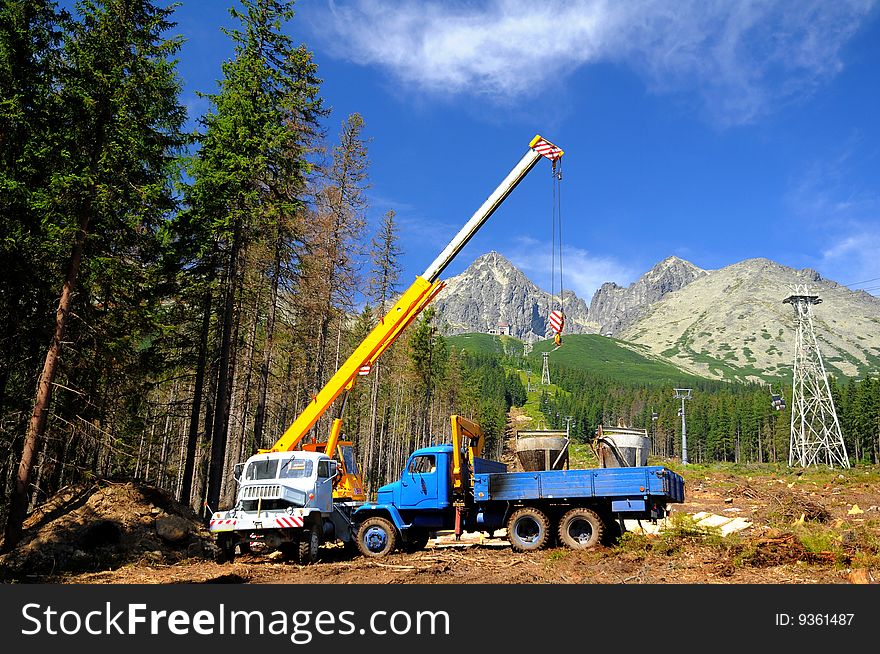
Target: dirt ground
[810, 527]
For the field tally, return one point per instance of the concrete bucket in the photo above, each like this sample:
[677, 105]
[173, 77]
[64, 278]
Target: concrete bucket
[542, 450]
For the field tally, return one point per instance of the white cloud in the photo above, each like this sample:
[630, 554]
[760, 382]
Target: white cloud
[582, 271]
[743, 58]
[851, 259]
[829, 201]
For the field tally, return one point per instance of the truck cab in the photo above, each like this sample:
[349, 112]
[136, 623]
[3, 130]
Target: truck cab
[420, 501]
[424, 483]
[282, 498]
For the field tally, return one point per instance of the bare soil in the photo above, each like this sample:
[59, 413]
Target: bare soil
[105, 525]
[810, 527]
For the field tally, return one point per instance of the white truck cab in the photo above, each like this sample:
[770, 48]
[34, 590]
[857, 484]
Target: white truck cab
[284, 501]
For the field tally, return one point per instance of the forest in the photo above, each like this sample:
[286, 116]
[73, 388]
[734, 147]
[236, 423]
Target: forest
[172, 299]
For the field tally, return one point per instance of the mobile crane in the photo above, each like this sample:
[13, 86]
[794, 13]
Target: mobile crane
[293, 500]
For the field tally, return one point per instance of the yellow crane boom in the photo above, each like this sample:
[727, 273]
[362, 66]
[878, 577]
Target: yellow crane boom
[405, 310]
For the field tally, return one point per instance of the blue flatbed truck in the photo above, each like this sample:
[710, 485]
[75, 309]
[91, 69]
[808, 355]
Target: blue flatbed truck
[579, 507]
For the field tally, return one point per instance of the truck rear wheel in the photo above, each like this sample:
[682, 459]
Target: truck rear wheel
[376, 537]
[528, 529]
[309, 543]
[581, 529]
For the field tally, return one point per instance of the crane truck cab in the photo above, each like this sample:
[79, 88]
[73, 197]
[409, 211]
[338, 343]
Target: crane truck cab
[285, 502]
[423, 499]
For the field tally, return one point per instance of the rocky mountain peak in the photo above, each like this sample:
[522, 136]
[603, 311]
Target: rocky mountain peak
[732, 323]
[615, 307]
[492, 295]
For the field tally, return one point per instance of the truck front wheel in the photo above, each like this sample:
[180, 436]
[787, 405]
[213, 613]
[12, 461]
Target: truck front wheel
[581, 529]
[376, 537]
[225, 552]
[309, 543]
[528, 529]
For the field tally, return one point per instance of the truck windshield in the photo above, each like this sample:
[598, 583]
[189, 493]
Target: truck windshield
[264, 469]
[295, 468]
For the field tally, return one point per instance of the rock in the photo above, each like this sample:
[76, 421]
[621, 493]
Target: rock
[154, 557]
[728, 500]
[173, 528]
[197, 549]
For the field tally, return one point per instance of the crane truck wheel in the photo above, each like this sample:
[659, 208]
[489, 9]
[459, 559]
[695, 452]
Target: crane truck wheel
[308, 546]
[528, 529]
[376, 537]
[225, 551]
[581, 529]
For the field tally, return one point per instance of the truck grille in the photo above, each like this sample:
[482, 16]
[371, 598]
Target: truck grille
[254, 492]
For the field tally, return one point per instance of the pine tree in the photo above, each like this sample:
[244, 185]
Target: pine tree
[30, 114]
[384, 276]
[336, 237]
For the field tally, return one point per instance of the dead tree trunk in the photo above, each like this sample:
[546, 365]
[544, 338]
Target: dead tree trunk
[18, 502]
[224, 372]
[192, 439]
[263, 384]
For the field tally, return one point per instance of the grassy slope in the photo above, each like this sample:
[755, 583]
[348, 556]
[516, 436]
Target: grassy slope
[596, 354]
[486, 344]
[610, 358]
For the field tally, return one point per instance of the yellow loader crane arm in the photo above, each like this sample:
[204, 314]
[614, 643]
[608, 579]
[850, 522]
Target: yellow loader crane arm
[462, 428]
[424, 289]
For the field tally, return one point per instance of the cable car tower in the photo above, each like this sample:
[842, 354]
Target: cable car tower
[815, 430]
[545, 372]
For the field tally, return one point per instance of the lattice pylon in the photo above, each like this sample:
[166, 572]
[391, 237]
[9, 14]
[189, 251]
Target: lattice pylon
[545, 373]
[816, 437]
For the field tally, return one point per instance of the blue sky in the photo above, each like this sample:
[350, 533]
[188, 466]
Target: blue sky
[715, 131]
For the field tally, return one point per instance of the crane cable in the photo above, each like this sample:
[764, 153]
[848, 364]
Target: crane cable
[557, 317]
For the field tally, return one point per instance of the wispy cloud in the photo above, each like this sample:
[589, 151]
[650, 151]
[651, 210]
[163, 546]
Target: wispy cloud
[583, 272]
[851, 258]
[742, 58]
[827, 198]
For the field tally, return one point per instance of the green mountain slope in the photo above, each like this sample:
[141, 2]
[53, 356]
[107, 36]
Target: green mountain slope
[596, 354]
[486, 344]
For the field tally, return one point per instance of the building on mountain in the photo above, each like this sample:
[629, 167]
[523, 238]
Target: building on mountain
[501, 329]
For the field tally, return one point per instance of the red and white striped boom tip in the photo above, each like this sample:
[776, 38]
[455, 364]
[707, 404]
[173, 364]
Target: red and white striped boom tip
[557, 321]
[545, 148]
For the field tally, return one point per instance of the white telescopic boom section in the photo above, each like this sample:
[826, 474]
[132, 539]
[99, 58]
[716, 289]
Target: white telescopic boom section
[482, 214]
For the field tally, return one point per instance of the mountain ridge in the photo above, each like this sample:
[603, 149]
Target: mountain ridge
[727, 323]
